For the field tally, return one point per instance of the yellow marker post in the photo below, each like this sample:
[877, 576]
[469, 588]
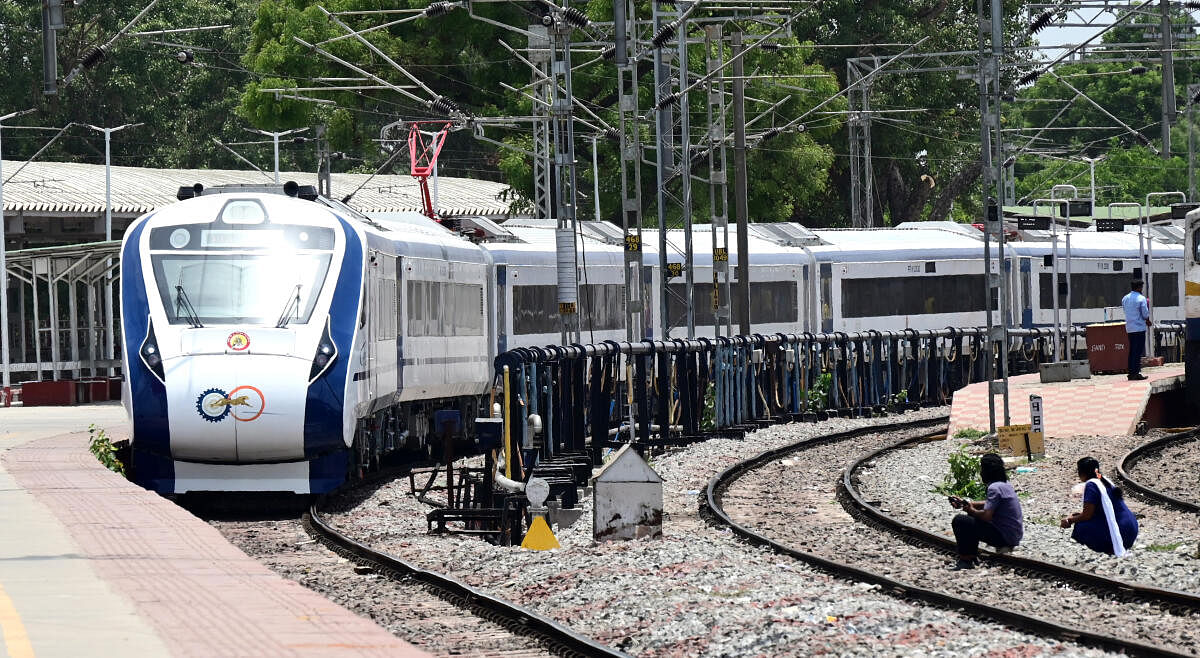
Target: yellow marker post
[507, 436]
[540, 537]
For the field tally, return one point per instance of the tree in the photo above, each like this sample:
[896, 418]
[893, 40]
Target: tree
[139, 81]
[1085, 97]
[940, 144]
[460, 58]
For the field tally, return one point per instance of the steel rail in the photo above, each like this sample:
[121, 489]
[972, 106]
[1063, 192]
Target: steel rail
[515, 618]
[1145, 490]
[711, 506]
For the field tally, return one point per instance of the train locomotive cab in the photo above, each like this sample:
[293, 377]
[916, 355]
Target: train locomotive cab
[235, 348]
[1191, 295]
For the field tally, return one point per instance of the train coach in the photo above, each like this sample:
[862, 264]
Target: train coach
[275, 340]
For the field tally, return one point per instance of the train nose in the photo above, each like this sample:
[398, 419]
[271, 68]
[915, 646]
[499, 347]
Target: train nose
[247, 408]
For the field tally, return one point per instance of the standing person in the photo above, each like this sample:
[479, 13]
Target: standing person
[1105, 525]
[1137, 318]
[996, 521]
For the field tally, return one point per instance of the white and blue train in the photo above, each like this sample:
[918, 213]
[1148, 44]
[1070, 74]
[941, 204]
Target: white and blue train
[283, 342]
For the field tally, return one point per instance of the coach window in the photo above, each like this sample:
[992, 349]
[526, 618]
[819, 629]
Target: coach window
[1101, 290]
[535, 309]
[862, 298]
[603, 306]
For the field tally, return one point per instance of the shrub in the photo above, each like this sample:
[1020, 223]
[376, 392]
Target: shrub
[963, 478]
[102, 447]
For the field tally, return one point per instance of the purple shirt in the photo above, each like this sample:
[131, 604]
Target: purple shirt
[1006, 515]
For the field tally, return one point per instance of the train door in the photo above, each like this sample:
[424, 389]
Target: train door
[385, 327]
[371, 308]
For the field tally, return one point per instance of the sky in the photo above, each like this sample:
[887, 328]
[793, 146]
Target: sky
[1053, 36]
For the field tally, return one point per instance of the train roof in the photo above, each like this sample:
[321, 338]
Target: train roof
[533, 242]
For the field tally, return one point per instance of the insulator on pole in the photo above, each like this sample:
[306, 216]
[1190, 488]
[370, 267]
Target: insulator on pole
[439, 9]
[1030, 78]
[609, 52]
[575, 17]
[768, 46]
[93, 56]
[443, 105]
[1041, 22]
[664, 34]
[612, 133]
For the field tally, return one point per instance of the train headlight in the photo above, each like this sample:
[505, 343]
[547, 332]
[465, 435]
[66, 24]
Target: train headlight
[325, 355]
[151, 355]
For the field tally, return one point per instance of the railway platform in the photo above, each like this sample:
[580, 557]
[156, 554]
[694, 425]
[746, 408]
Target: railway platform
[1102, 405]
[93, 565]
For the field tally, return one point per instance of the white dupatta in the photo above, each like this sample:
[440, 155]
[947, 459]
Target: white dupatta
[1114, 532]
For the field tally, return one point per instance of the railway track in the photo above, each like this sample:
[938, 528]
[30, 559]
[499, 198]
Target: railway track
[896, 556]
[1147, 450]
[551, 636]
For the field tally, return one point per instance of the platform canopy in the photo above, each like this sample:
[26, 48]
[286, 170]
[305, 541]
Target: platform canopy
[54, 203]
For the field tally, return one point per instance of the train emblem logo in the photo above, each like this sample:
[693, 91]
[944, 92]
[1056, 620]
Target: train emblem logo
[244, 403]
[238, 341]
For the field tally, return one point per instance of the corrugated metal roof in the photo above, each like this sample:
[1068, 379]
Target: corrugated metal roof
[72, 187]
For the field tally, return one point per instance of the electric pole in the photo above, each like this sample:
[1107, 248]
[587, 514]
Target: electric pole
[1166, 38]
[741, 202]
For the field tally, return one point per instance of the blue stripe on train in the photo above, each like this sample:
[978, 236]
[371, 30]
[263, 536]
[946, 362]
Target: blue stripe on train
[152, 464]
[324, 445]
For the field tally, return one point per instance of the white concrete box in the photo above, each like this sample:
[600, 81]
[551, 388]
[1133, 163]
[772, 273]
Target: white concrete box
[627, 499]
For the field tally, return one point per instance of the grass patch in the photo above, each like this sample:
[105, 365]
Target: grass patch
[1164, 548]
[969, 433]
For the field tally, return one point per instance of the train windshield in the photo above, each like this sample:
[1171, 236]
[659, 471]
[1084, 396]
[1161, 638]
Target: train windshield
[246, 288]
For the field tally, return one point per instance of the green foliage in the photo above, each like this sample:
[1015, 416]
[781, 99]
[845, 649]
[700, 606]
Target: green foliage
[1164, 548]
[708, 418]
[963, 478]
[817, 397]
[969, 433]
[1095, 98]
[102, 447]
[180, 106]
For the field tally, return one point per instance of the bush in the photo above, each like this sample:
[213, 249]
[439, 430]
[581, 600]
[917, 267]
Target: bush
[963, 478]
[104, 450]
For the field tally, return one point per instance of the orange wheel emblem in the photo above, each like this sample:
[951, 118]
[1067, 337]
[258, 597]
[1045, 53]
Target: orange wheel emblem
[251, 398]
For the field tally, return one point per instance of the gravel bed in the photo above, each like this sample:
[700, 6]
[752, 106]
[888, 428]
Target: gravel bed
[826, 529]
[697, 591]
[405, 609]
[1165, 552]
[1171, 470]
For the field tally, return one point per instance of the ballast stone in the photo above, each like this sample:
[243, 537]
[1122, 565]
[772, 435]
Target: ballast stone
[628, 499]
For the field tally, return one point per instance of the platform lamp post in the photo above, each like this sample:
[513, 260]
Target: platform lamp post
[1070, 338]
[1092, 175]
[275, 141]
[4, 356]
[109, 319]
[1054, 267]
